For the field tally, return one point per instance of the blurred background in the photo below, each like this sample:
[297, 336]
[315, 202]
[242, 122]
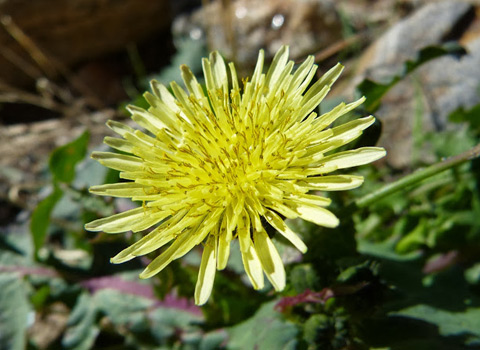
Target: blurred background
[405, 272]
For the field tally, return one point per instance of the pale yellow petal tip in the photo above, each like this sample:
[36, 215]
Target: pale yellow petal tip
[94, 189]
[95, 155]
[277, 283]
[203, 292]
[115, 260]
[155, 84]
[258, 286]
[214, 55]
[145, 274]
[284, 50]
[112, 123]
[380, 153]
[92, 227]
[333, 223]
[303, 249]
[200, 302]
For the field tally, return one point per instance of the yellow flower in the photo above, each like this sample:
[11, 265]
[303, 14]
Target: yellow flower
[213, 165]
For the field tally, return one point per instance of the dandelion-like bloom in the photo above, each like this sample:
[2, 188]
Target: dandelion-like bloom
[213, 165]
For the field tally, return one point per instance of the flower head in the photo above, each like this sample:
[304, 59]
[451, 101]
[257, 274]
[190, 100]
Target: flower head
[213, 164]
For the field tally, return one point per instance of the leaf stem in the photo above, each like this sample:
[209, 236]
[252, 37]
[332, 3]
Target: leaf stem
[418, 176]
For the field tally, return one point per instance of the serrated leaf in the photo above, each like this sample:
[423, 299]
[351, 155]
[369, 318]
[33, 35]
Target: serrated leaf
[121, 308]
[213, 340]
[165, 322]
[449, 323]
[374, 91]
[40, 219]
[13, 312]
[64, 158]
[82, 330]
[265, 330]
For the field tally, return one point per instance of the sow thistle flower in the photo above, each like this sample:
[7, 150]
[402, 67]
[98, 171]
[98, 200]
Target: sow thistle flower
[212, 165]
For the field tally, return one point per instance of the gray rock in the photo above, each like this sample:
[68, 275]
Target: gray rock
[443, 84]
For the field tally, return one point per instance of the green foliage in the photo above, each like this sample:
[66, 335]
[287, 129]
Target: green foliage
[470, 116]
[64, 158]
[40, 220]
[265, 330]
[465, 323]
[13, 312]
[82, 330]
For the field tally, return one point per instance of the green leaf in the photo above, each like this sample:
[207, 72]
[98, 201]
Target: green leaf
[472, 275]
[121, 308]
[303, 277]
[471, 116]
[213, 340]
[13, 312]
[413, 240]
[265, 330]
[41, 218]
[64, 158]
[317, 329]
[449, 323]
[375, 91]
[82, 330]
[165, 323]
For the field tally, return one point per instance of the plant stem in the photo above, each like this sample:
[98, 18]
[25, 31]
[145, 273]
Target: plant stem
[418, 176]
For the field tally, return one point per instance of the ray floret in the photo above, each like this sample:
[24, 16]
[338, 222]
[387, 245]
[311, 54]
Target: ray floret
[211, 164]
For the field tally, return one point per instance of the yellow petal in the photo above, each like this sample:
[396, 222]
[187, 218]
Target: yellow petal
[303, 75]
[120, 128]
[219, 71]
[156, 239]
[118, 161]
[206, 274]
[349, 159]
[252, 266]
[119, 144]
[317, 215]
[332, 182]
[328, 118]
[146, 119]
[191, 82]
[181, 246]
[133, 251]
[319, 90]
[118, 222]
[120, 189]
[243, 231]
[270, 259]
[277, 67]
[223, 252]
[279, 225]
